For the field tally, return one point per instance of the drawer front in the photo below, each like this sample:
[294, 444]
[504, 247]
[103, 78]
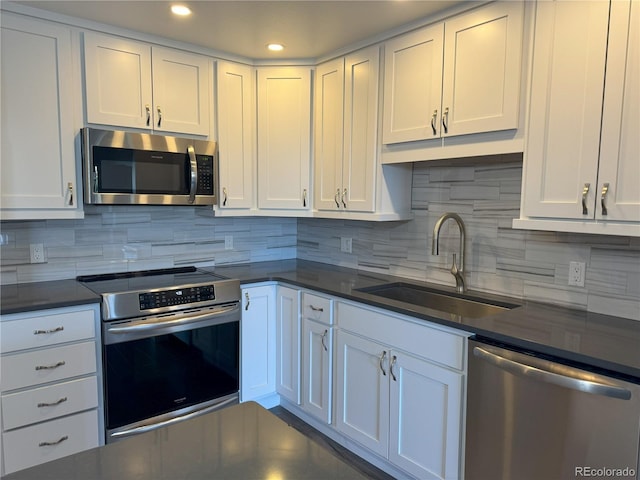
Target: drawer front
[46, 403]
[446, 348]
[45, 330]
[29, 446]
[47, 365]
[317, 308]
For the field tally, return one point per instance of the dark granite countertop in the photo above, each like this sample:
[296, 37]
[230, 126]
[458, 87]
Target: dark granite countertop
[591, 339]
[25, 297]
[244, 441]
[595, 340]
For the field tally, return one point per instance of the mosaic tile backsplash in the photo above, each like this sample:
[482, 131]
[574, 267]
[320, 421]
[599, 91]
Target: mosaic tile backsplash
[499, 259]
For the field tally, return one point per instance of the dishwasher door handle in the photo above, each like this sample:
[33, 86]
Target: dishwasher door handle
[570, 378]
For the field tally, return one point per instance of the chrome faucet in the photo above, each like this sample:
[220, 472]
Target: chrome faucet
[457, 270]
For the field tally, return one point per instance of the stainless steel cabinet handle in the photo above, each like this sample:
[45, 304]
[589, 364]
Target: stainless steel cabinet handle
[568, 380]
[605, 190]
[381, 361]
[344, 195]
[70, 190]
[434, 117]
[304, 197]
[335, 197]
[316, 309]
[445, 120]
[224, 196]
[52, 404]
[194, 173]
[324, 345]
[51, 367]
[44, 332]
[159, 116]
[148, 109]
[393, 362]
[50, 444]
[246, 297]
[585, 192]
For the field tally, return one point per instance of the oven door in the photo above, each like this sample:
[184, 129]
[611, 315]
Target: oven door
[162, 370]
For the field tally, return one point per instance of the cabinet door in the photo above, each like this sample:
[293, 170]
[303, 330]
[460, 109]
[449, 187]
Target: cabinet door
[118, 81]
[360, 159]
[317, 354]
[413, 86]
[235, 135]
[482, 66]
[363, 392]
[288, 344]
[328, 139]
[258, 340]
[425, 419]
[620, 147]
[284, 131]
[561, 157]
[37, 155]
[181, 91]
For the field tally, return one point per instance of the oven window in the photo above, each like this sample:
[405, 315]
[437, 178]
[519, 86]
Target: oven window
[123, 170]
[157, 375]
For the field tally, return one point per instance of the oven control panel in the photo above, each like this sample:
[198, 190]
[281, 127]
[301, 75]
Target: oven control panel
[176, 296]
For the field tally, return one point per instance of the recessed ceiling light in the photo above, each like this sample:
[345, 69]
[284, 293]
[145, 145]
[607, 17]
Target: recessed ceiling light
[181, 10]
[275, 47]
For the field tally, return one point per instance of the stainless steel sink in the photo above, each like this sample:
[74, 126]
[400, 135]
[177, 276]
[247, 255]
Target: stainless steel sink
[452, 303]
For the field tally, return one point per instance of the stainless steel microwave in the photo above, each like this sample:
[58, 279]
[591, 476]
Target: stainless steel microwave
[140, 168]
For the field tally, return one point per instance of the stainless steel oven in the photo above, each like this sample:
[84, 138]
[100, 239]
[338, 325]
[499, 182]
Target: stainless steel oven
[170, 346]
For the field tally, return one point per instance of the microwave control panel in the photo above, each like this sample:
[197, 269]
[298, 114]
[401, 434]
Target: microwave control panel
[205, 175]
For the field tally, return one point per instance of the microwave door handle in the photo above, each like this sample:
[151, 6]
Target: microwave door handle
[194, 173]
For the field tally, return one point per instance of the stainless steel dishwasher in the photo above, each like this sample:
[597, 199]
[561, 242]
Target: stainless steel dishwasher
[532, 418]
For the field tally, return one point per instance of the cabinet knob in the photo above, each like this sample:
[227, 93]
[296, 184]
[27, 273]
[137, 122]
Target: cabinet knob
[248, 302]
[324, 345]
[381, 362]
[335, 197]
[445, 120]
[224, 196]
[434, 117]
[585, 192]
[159, 116]
[148, 109]
[605, 190]
[70, 191]
[344, 195]
[50, 444]
[393, 362]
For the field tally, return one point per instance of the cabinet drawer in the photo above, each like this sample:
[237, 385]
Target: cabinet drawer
[41, 331]
[433, 344]
[48, 365]
[46, 403]
[317, 308]
[25, 447]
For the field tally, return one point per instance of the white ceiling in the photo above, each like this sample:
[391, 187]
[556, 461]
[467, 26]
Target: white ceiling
[309, 29]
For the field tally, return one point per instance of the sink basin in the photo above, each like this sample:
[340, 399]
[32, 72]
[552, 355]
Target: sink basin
[456, 304]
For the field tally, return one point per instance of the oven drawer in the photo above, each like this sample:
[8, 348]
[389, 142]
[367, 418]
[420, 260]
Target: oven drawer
[46, 403]
[47, 365]
[45, 330]
[315, 307]
[47, 441]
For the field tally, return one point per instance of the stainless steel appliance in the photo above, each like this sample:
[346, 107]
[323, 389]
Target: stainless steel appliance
[170, 346]
[531, 418]
[139, 168]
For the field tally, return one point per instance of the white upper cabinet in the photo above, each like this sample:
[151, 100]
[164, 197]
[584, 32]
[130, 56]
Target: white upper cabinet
[236, 121]
[131, 84]
[349, 180]
[455, 78]
[284, 139]
[38, 159]
[581, 167]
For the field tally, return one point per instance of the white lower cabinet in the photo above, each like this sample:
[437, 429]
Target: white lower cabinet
[258, 342]
[51, 385]
[396, 399]
[317, 363]
[288, 343]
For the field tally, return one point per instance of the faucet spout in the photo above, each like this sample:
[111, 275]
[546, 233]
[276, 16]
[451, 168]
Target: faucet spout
[457, 269]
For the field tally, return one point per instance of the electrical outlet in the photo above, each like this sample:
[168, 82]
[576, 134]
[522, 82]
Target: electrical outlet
[228, 242]
[37, 252]
[576, 273]
[345, 244]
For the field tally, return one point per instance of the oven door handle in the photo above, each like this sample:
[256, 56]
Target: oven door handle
[153, 323]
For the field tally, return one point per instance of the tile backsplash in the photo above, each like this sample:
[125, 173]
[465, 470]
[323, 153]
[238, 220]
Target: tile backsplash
[499, 259]
[519, 263]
